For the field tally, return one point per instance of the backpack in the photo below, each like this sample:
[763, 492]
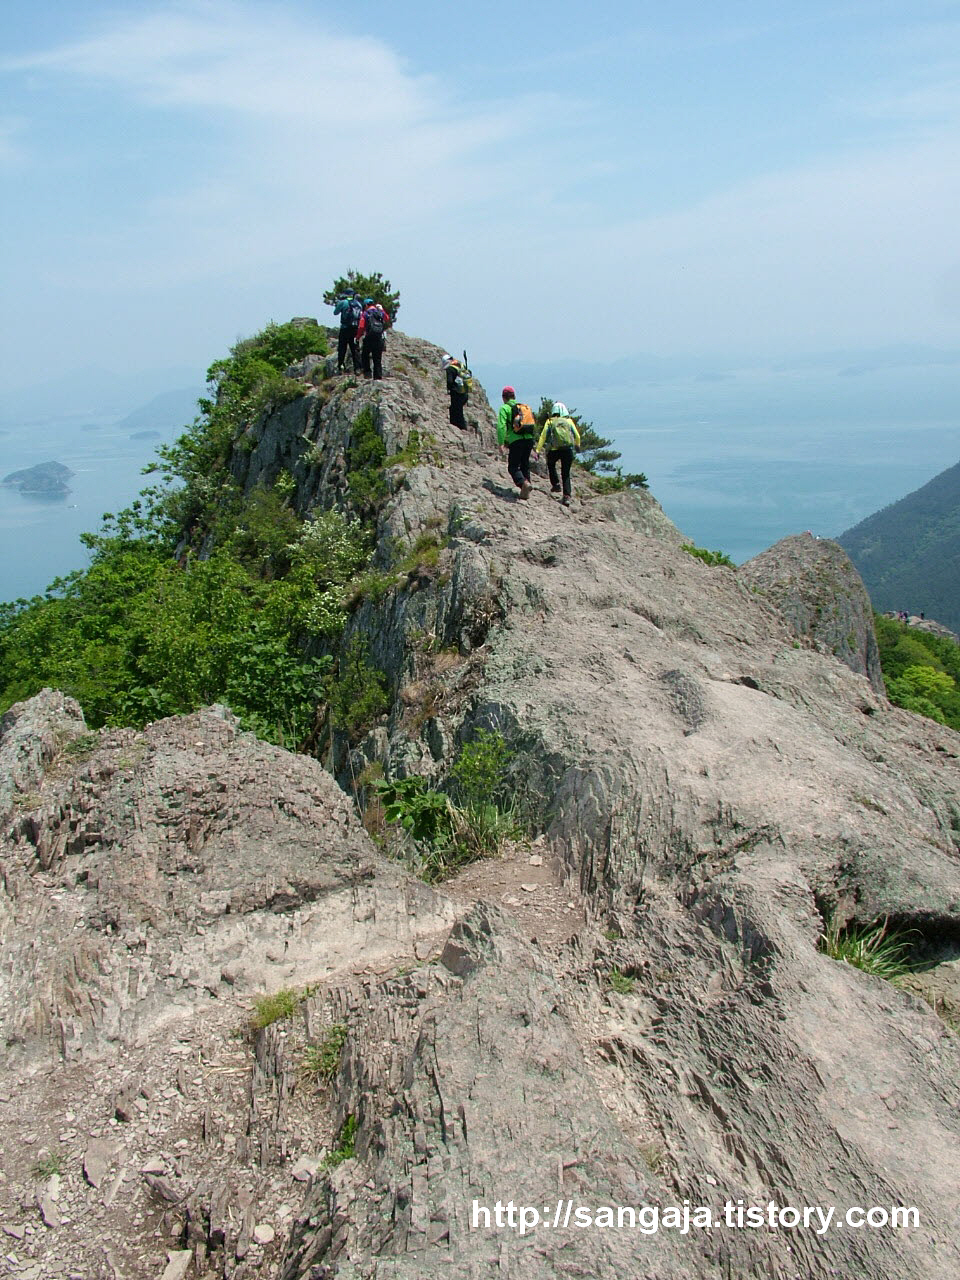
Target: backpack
[352, 311]
[375, 323]
[523, 422]
[560, 433]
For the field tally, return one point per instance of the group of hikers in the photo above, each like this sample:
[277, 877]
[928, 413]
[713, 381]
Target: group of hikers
[363, 331]
[363, 327]
[517, 432]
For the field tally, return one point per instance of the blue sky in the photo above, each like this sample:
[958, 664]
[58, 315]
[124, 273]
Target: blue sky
[539, 180]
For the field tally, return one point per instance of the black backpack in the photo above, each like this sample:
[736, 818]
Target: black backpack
[374, 324]
[352, 313]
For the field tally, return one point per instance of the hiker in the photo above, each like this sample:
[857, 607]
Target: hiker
[349, 309]
[561, 438]
[372, 332]
[516, 427]
[459, 382]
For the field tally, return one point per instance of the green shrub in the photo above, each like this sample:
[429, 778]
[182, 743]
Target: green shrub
[322, 1060]
[365, 456]
[480, 770]
[359, 694]
[411, 803]
[346, 1144]
[708, 557]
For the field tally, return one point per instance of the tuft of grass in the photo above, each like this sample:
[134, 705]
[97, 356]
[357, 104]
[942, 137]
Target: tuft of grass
[48, 1166]
[874, 948]
[322, 1060]
[346, 1147]
[272, 1008]
[621, 982]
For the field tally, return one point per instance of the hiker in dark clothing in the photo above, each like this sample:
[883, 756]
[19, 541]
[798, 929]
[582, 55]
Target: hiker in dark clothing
[518, 443]
[372, 332]
[458, 385]
[349, 310]
[559, 437]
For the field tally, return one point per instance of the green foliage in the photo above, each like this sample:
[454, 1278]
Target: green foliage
[368, 286]
[596, 456]
[243, 386]
[448, 835]
[366, 454]
[152, 629]
[49, 1166]
[359, 694]
[479, 772]
[322, 1060]
[921, 671]
[873, 947]
[427, 815]
[708, 557]
[273, 1008]
[346, 1147]
[620, 982]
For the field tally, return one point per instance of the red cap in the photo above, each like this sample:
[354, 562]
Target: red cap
[508, 393]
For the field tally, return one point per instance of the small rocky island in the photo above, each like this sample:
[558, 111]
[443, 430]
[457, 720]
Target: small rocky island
[45, 480]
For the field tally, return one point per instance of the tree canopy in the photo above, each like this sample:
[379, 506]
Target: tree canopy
[368, 286]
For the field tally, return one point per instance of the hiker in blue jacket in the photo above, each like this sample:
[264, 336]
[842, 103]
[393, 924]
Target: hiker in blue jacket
[349, 309]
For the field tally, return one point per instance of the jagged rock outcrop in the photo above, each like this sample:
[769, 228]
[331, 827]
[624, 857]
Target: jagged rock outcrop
[712, 793]
[814, 585]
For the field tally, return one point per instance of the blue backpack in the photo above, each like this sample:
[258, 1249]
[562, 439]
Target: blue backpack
[350, 312]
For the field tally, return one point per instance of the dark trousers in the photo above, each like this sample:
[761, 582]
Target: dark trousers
[372, 349]
[348, 338]
[457, 405]
[565, 457]
[518, 460]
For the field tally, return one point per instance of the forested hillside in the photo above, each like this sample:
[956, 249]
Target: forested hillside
[908, 554]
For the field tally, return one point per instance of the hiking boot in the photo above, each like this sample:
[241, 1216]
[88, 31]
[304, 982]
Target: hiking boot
[554, 488]
[525, 489]
[565, 500]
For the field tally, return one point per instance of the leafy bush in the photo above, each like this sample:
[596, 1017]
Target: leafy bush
[708, 557]
[921, 671]
[427, 815]
[366, 453]
[480, 769]
[358, 695]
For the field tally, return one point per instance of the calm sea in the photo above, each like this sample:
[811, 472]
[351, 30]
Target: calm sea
[40, 538]
[736, 462]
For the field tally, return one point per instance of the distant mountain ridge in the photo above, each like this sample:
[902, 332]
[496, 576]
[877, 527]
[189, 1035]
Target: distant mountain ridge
[908, 554]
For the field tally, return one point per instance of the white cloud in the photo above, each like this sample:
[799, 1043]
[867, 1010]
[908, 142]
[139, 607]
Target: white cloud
[313, 136]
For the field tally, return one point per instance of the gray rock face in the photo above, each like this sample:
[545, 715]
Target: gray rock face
[712, 793]
[813, 583]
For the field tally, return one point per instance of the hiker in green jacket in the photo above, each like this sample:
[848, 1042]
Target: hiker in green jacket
[516, 428]
[560, 437]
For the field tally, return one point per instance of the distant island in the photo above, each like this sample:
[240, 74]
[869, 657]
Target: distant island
[45, 480]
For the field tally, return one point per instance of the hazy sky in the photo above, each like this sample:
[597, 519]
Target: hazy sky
[538, 179]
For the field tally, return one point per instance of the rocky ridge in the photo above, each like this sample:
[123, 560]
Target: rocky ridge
[709, 790]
